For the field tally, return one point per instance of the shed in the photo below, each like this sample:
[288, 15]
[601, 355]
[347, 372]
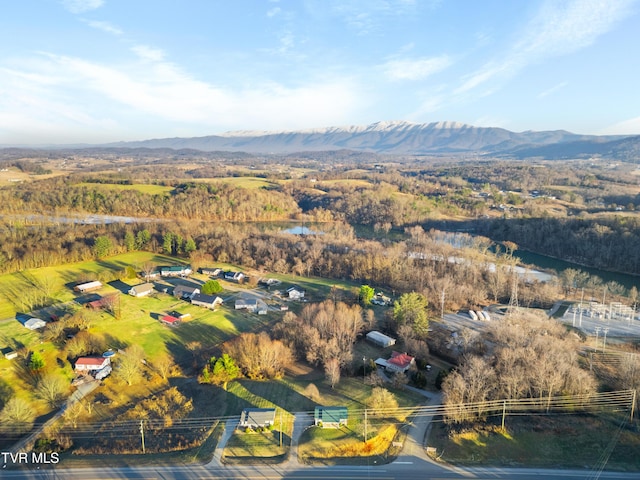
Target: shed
[34, 323]
[88, 287]
[380, 339]
[170, 320]
[330, 417]
[9, 353]
[141, 290]
[257, 417]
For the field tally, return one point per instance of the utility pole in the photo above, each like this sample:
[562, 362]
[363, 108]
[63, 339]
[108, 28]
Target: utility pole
[633, 405]
[280, 428]
[364, 369]
[365, 424]
[581, 299]
[504, 413]
[442, 306]
[142, 435]
[597, 333]
[604, 345]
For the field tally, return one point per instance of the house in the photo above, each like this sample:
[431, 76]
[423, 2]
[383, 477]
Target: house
[208, 301]
[141, 290]
[103, 373]
[380, 339]
[257, 417]
[381, 299]
[250, 304]
[212, 272]
[151, 275]
[330, 417]
[34, 323]
[261, 307]
[104, 302]
[9, 353]
[295, 293]
[176, 271]
[89, 364]
[180, 316]
[88, 287]
[170, 320]
[185, 292]
[234, 276]
[399, 362]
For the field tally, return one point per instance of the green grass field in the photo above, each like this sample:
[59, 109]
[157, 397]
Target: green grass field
[140, 187]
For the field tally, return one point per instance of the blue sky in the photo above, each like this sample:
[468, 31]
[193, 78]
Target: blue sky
[105, 70]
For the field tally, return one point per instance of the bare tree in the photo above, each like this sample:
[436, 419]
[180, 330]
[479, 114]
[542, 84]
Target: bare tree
[164, 365]
[129, 367]
[52, 389]
[16, 417]
[332, 371]
[382, 402]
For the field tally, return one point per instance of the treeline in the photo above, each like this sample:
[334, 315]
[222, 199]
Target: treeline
[608, 243]
[529, 357]
[221, 202]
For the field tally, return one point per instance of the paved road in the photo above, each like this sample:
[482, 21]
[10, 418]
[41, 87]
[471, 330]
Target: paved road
[411, 464]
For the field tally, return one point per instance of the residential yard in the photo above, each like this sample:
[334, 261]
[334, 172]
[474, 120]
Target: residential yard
[256, 447]
[563, 441]
[345, 446]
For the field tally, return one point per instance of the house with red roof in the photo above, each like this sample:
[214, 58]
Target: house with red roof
[88, 364]
[399, 362]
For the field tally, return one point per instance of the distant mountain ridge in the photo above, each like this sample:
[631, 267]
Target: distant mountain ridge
[394, 137]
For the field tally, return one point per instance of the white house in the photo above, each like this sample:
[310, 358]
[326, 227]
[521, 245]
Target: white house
[88, 364]
[295, 293]
[141, 290]
[399, 362]
[34, 323]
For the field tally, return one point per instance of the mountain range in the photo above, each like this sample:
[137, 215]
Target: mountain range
[408, 138]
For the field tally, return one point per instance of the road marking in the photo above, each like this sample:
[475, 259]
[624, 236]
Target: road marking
[403, 463]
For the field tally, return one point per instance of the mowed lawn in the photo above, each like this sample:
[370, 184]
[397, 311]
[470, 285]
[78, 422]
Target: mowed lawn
[60, 280]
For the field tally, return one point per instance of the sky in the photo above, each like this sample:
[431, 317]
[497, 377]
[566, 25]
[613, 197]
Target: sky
[94, 71]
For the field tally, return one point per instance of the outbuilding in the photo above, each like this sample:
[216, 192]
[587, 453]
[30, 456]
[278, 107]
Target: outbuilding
[88, 287]
[34, 323]
[380, 339]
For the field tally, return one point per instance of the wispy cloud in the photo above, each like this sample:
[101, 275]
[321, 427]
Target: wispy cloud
[81, 6]
[273, 12]
[552, 90]
[147, 53]
[367, 16]
[558, 28]
[156, 87]
[104, 26]
[627, 127]
[415, 69]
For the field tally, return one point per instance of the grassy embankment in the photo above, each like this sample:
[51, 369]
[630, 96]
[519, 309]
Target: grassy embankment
[563, 441]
